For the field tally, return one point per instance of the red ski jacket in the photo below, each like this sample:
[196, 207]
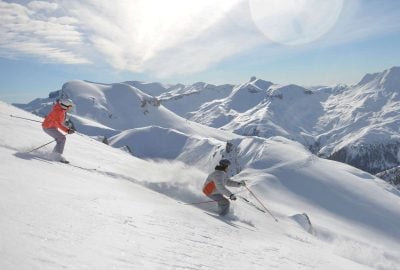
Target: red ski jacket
[56, 118]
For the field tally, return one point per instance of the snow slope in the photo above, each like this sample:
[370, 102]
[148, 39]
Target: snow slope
[125, 214]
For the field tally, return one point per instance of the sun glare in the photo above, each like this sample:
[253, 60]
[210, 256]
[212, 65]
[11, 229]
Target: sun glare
[152, 25]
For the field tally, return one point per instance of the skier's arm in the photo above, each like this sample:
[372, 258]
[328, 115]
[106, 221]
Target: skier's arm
[219, 184]
[60, 122]
[232, 183]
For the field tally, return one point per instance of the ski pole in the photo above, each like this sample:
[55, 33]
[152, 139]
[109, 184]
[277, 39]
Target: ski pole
[41, 146]
[269, 212]
[25, 118]
[44, 144]
[251, 203]
[36, 121]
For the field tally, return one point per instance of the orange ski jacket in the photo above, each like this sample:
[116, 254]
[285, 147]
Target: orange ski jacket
[56, 118]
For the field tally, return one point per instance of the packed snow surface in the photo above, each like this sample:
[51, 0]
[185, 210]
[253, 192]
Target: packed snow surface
[117, 211]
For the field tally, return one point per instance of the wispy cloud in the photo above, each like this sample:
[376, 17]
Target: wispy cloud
[29, 30]
[43, 5]
[163, 38]
[361, 20]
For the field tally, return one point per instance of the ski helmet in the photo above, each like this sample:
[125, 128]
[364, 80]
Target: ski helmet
[224, 163]
[66, 103]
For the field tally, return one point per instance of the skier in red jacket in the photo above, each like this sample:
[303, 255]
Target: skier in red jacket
[54, 122]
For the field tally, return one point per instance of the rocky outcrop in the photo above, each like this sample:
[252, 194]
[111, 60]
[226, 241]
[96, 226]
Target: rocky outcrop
[372, 158]
[391, 176]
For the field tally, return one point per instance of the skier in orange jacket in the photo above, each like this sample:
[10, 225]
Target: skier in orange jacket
[214, 186]
[54, 122]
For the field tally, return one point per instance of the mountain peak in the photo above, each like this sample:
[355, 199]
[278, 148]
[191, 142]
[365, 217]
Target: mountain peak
[391, 79]
[368, 78]
[388, 79]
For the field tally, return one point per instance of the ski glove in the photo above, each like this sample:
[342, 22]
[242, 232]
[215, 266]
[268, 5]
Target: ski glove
[232, 197]
[242, 183]
[71, 130]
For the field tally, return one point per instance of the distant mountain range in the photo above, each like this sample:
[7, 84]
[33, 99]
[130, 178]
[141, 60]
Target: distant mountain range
[357, 124]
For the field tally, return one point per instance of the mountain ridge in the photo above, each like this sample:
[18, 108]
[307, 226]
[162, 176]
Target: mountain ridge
[344, 123]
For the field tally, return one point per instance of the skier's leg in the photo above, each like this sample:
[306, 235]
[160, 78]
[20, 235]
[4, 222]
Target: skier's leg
[224, 206]
[223, 203]
[59, 137]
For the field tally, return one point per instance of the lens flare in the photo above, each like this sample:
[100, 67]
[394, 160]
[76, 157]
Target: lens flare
[295, 22]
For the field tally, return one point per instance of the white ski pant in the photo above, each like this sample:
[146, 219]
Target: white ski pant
[223, 203]
[59, 137]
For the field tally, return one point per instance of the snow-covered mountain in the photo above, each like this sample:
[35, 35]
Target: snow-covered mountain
[355, 124]
[183, 99]
[153, 89]
[363, 123]
[122, 113]
[119, 211]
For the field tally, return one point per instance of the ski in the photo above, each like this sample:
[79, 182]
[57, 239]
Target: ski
[251, 204]
[80, 167]
[65, 163]
[233, 221]
[240, 197]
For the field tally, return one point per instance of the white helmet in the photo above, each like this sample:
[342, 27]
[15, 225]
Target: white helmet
[65, 103]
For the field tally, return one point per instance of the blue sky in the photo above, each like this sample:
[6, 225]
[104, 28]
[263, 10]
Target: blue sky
[44, 44]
